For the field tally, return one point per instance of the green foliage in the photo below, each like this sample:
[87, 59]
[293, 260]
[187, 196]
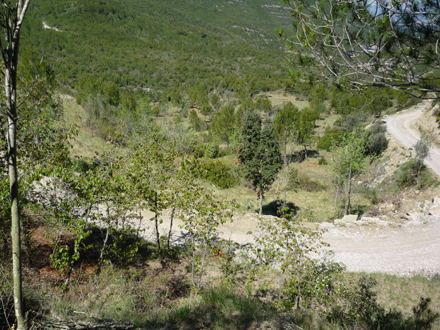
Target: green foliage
[358, 305]
[217, 172]
[290, 245]
[285, 124]
[212, 151]
[414, 174]
[196, 122]
[331, 137]
[223, 123]
[305, 127]
[263, 104]
[349, 161]
[376, 140]
[322, 161]
[259, 154]
[305, 183]
[148, 44]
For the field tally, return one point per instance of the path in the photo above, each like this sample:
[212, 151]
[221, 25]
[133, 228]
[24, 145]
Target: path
[401, 128]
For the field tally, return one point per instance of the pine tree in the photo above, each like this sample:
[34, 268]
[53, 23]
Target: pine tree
[259, 156]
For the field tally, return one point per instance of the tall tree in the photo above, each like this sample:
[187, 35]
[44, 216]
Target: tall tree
[349, 160]
[360, 43]
[305, 128]
[284, 125]
[11, 20]
[259, 153]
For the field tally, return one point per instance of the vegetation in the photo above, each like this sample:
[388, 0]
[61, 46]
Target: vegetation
[259, 153]
[370, 43]
[170, 112]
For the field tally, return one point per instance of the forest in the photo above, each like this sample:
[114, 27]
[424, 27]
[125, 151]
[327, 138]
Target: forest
[145, 128]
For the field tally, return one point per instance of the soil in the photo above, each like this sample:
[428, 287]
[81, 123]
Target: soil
[401, 236]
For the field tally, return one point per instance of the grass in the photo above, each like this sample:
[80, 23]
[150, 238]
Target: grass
[86, 144]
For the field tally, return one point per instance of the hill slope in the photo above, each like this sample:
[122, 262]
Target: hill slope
[157, 44]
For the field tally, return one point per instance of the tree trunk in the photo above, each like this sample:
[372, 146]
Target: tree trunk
[261, 202]
[10, 83]
[347, 202]
[285, 154]
[12, 20]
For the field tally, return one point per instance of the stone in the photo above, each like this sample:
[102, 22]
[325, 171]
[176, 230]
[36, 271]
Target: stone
[413, 215]
[436, 200]
[435, 210]
[349, 218]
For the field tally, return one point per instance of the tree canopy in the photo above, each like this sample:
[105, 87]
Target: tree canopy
[360, 43]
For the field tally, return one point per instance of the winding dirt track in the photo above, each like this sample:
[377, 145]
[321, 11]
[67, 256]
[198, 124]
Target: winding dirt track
[412, 248]
[400, 127]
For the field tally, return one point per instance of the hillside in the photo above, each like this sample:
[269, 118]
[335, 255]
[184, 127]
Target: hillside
[157, 44]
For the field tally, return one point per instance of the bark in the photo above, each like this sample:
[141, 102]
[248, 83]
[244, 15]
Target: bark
[347, 203]
[171, 228]
[13, 19]
[156, 221]
[261, 202]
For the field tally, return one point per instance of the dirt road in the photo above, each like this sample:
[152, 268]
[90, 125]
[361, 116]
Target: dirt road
[411, 247]
[401, 128]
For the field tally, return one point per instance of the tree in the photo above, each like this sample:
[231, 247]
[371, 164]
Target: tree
[349, 160]
[284, 125]
[223, 123]
[359, 43]
[305, 128]
[422, 152]
[259, 153]
[11, 19]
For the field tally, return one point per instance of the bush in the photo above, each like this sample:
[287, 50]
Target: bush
[212, 151]
[376, 142]
[328, 139]
[412, 173]
[80, 165]
[218, 173]
[322, 161]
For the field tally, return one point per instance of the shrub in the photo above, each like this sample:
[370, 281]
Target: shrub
[412, 173]
[322, 161]
[376, 141]
[218, 173]
[212, 151]
[328, 139]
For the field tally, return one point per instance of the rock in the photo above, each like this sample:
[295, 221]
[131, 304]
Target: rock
[349, 218]
[436, 200]
[413, 215]
[435, 210]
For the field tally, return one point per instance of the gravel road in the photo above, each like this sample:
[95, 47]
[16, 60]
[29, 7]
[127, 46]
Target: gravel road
[401, 128]
[412, 247]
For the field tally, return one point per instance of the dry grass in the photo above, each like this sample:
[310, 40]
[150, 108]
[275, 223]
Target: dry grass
[279, 99]
[86, 144]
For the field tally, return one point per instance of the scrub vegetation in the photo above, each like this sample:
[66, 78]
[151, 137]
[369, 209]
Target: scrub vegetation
[136, 111]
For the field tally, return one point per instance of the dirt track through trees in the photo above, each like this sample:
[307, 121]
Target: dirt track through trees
[406, 248]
